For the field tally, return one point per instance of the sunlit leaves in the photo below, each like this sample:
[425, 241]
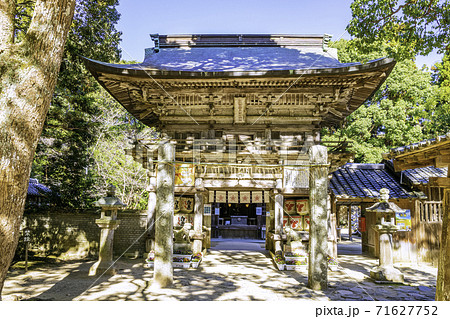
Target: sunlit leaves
[399, 113]
[408, 27]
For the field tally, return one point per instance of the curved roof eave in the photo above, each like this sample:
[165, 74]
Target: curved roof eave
[140, 70]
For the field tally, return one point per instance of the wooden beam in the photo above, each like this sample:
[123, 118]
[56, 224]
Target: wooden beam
[229, 120]
[234, 128]
[400, 165]
[439, 181]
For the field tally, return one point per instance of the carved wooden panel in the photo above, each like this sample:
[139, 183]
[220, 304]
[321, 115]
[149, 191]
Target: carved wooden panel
[240, 110]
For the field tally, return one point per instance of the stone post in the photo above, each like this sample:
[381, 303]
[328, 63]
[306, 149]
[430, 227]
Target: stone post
[318, 235]
[198, 219]
[108, 223]
[165, 201]
[151, 211]
[277, 238]
[385, 271]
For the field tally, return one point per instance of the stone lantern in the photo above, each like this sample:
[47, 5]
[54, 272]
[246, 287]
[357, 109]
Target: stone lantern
[108, 223]
[385, 271]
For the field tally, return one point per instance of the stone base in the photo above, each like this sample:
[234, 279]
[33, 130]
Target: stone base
[98, 269]
[386, 274]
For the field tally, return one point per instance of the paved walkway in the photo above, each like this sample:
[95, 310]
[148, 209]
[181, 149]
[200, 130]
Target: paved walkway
[225, 274]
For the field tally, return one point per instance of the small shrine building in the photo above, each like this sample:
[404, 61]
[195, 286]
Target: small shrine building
[244, 113]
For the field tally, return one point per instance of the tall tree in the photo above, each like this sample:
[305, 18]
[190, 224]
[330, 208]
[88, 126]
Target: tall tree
[28, 73]
[440, 121]
[409, 27]
[119, 129]
[63, 154]
[397, 114]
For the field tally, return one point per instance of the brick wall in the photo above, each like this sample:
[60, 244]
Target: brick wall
[74, 234]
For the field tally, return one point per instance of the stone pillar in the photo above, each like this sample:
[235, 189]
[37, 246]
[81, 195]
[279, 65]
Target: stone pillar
[385, 271]
[108, 223]
[318, 237]
[165, 201]
[151, 212]
[198, 223]
[105, 265]
[277, 238]
[386, 257]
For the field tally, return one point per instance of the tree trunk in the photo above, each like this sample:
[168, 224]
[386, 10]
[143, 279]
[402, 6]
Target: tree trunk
[28, 73]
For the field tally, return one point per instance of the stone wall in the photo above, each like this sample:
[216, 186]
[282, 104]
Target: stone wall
[74, 234]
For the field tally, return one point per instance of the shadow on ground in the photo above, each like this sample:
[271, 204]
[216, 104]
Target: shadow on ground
[223, 275]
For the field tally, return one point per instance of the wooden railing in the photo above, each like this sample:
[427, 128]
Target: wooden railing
[429, 211]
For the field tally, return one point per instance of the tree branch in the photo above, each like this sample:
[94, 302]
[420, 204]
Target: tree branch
[428, 11]
[393, 12]
[7, 11]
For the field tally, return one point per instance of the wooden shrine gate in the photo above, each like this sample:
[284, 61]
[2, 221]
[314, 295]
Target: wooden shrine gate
[240, 113]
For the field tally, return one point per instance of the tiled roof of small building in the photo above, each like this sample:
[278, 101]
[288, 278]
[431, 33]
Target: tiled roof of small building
[37, 189]
[365, 181]
[418, 176]
[416, 146]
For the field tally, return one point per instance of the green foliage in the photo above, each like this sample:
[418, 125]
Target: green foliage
[407, 28]
[111, 166]
[397, 114]
[62, 156]
[440, 121]
[22, 19]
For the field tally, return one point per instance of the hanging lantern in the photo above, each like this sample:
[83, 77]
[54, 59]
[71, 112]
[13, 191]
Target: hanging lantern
[289, 206]
[302, 206]
[176, 208]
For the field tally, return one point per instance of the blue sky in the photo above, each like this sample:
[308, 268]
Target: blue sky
[139, 18]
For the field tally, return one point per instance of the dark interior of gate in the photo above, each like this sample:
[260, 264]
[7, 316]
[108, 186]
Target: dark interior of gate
[239, 221]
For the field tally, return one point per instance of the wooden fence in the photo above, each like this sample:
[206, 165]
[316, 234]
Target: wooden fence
[428, 230]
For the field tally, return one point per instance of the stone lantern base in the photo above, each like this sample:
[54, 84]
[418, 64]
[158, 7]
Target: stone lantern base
[387, 274]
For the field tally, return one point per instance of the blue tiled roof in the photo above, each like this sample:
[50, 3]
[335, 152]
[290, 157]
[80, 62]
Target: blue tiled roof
[37, 189]
[365, 181]
[245, 52]
[241, 59]
[416, 146]
[418, 176]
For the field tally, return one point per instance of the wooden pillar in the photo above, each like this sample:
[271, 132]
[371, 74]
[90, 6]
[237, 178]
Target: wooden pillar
[349, 210]
[318, 192]
[443, 278]
[151, 212]
[270, 213]
[198, 223]
[332, 231]
[165, 201]
[337, 209]
[365, 234]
